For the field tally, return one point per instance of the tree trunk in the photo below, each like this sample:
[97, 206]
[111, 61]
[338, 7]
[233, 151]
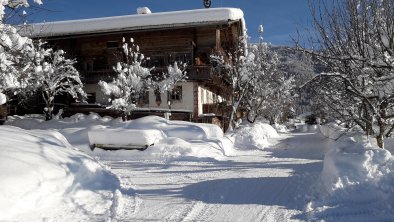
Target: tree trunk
[251, 119]
[231, 122]
[49, 103]
[380, 141]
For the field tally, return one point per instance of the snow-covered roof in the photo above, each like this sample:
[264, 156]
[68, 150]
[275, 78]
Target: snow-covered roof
[136, 22]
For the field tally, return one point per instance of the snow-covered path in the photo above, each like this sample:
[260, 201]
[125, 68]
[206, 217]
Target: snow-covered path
[269, 185]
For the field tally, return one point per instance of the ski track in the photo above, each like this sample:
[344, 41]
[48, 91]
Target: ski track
[273, 184]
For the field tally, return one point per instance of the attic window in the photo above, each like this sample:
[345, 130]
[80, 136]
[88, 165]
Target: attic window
[112, 45]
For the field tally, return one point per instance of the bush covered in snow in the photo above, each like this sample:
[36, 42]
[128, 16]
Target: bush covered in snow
[40, 170]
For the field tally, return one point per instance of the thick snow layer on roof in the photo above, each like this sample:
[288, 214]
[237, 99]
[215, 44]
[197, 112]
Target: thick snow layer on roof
[136, 22]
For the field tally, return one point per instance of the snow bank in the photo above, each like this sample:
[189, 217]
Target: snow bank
[357, 181]
[254, 136]
[40, 170]
[36, 121]
[353, 163]
[172, 139]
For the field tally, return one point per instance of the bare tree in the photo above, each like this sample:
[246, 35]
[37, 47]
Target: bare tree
[355, 41]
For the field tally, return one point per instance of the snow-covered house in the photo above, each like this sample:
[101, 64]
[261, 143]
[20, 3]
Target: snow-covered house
[184, 36]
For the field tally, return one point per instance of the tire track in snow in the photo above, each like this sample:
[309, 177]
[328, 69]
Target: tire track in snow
[177, 191]
[198, 212]
[125, 201]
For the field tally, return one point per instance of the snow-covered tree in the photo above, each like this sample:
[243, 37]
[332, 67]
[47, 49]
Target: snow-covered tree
[131, 81]
[165, 82]
[300, 66]
[55, 75]
[16, 52]
[356, 43]
[238, 63]
[270, 95]
[134, 79]
[259, 88]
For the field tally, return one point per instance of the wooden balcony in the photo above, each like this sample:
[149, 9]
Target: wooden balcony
[91, 77]
[194, 73]
[200, 73]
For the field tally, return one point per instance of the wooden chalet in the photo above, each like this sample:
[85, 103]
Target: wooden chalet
[181, 36]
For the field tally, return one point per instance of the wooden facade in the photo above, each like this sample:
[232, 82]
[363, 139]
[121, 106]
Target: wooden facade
[192, 44]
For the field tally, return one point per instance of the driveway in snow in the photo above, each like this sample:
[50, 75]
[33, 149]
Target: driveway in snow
[273, 184]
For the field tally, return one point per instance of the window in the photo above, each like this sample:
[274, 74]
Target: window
[176, 94]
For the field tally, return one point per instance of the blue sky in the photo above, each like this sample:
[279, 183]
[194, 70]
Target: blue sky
[280, 18]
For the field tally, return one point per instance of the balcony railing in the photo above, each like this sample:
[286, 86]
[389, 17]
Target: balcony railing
[95, 76]
[196, 73]
[204, 72]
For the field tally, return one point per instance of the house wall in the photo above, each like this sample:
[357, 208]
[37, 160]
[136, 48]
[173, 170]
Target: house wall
[96, 89]
[98, 53]
[205, 96]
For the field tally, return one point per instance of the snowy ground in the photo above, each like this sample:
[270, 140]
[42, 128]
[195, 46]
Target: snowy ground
[191, 173]
[269, 185]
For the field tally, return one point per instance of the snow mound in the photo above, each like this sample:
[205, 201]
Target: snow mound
[353, 163]
[356, 183]
[41, 170]
[254, 136]
[172, 140]
[179, 129]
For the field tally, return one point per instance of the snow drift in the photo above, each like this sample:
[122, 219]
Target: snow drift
[40, 170]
